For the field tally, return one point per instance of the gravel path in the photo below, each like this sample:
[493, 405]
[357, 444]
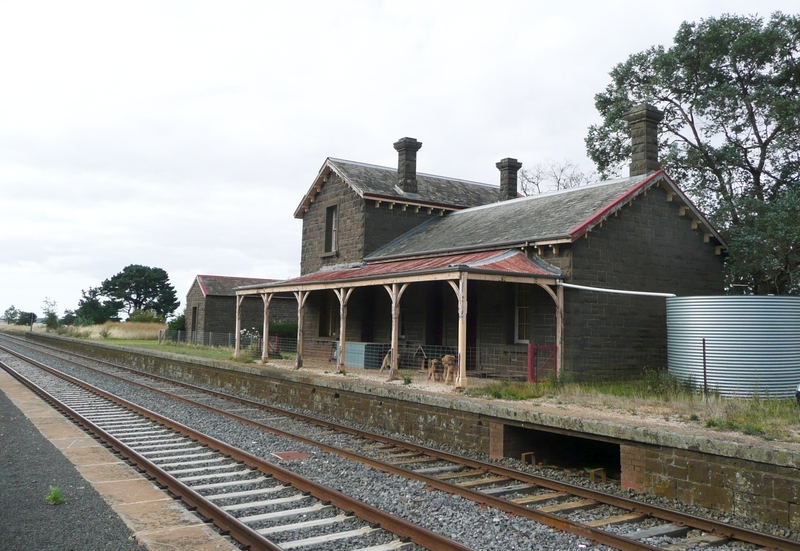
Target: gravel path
[30, 466]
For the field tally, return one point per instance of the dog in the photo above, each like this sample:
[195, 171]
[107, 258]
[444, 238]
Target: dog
[435, 370]
[450, 366]
[387, 361]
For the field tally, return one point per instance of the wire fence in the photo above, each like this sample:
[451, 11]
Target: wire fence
[535, 363]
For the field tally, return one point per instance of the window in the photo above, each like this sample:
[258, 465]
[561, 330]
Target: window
[522, 324]
[331, 229]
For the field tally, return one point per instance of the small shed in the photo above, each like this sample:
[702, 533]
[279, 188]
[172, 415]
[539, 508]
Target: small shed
[211, 305]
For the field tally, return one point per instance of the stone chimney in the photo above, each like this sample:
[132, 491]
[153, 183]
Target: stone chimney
[508, 178]
[407, 164]
[643, 120]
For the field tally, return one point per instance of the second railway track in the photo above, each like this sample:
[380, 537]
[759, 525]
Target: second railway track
[602, 518]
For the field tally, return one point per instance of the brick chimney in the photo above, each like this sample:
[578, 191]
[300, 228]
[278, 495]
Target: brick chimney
[407, 164]
[508, 178]
[643, 121]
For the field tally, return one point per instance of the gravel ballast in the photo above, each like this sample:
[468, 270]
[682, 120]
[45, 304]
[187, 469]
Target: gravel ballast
[451, 516]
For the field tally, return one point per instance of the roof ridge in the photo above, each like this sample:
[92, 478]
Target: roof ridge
[234, 277]
[634, 180]
[428, 175]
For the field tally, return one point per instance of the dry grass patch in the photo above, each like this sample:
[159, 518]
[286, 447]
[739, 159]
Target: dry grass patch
[128, 330]
[660, 395]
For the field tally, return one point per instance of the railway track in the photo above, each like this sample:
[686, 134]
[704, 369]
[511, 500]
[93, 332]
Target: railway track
[614, 521]
[250, 499]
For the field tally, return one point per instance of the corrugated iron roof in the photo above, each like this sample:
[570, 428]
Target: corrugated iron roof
[506, 261]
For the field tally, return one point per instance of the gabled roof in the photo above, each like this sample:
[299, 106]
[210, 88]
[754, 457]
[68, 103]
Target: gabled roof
[212, 285]
[556, 217]
[380, 183]
[501, 262]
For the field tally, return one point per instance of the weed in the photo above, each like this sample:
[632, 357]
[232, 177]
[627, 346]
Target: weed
[55, 496]
[752, 430]
[406, 379]
[105, 333]
[511, 390]
[694, 417]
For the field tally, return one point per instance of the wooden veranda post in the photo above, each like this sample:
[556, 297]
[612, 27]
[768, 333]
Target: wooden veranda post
[559, 330]
[461, 293]
[558, 298]
[396, 293]
[343, 295]
[301, 297]
[238, 347]
[267, 298]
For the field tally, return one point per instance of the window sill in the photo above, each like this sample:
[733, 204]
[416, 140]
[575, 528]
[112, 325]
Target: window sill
[331, 254]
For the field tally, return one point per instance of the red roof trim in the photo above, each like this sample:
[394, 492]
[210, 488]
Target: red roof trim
[204, 288]
[202, 285]
[583, 227]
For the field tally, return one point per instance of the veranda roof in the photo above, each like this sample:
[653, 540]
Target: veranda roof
[502, 263]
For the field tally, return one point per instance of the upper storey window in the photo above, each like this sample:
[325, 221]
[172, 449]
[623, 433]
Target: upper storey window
[332, 229]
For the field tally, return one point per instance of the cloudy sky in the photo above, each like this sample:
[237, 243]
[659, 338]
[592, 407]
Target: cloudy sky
[183, 135]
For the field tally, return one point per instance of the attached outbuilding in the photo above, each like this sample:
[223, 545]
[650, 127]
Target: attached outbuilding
[211, 306]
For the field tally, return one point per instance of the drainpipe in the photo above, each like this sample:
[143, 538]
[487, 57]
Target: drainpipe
[617, 291]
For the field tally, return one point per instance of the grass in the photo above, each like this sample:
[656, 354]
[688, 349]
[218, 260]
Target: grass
[129, 330]
[181, 348]
[659, 394]
[55, 496]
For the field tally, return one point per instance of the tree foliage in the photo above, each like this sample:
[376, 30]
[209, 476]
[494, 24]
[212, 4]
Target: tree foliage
[553, 176]
[142, 288]
[178, 323]
[26, 318]
[765, 252]
[11, 315]
[68, 318]
[730, 91]
[50, 314]
[94, 309]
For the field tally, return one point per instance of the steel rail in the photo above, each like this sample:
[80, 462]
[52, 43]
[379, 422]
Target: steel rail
[226, 522]
[594, 534]
[707, 525]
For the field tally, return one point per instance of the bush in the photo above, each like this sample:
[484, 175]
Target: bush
[74, 332]
[25, 318]
[51, 321]
[145, 316]
[178, 324]
[283, 329]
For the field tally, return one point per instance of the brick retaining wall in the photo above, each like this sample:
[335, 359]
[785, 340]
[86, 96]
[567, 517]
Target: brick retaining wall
[762, 483]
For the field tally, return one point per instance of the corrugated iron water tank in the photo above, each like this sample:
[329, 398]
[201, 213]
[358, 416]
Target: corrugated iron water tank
[752, 343]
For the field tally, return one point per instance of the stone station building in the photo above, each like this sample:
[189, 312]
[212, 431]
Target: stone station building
[413, 266]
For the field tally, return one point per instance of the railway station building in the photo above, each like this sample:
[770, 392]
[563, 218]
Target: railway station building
[402, 266]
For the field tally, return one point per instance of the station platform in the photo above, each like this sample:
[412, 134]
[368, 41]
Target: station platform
[109, 506]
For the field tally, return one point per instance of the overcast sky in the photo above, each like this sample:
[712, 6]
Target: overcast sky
[183, 135]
